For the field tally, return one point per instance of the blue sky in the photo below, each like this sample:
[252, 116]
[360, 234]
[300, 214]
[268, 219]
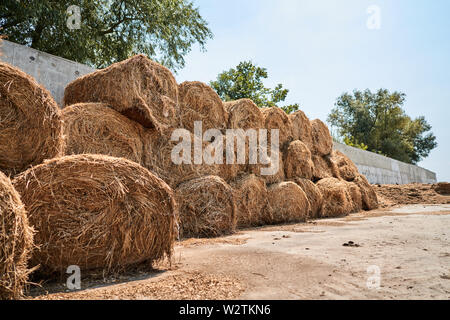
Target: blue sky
[319, 49]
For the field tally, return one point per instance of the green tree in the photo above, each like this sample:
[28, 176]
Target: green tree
[110, 30]
[246, 81]
[378, 123]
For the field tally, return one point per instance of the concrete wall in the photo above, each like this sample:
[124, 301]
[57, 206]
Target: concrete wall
[384, 170]
[51, 71]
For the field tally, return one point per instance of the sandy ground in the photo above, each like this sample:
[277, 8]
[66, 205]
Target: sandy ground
[397, 253]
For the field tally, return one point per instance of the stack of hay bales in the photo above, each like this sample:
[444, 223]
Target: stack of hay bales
[97, 212]
[30, 122]
[306, 155]
[16, 242]
[117, 198]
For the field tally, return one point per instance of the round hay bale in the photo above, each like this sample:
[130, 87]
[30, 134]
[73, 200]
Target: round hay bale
[301, 128]
[347, 169]
[368, 194]
[244, 114]
[297, 161]
[95, 128]
[158, 148]
[337, 200]
[16, 242]
[250, 193]
[314, 196]
[287, 203]
[30, 122]
[355, 194]
[199, 102]
[97, 212]
[138, 88]
[324, 167]
[276, 118]
[207, 208]
[322, 140]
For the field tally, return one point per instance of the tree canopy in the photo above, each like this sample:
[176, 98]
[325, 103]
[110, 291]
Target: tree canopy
[378, 123]
[109, 30]
[246, 81]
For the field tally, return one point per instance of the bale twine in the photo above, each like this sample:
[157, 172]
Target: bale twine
[287, 203]
[324, 167]
[207, 207]
[322, 140]
[30, 122]
[250, 193]
[347, 169]
[276, 118]
[301, 128]
[16, 242]
[314, 196]
[95, 128]
[97, 212]
[297, 161]
[368, 194]
[158, 148]
[138, 88]
[337, 200]
[199, 102]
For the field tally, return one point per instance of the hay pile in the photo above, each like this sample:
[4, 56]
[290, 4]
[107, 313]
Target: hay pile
[138, 88]
[250, 194]
[337, 200]
[368, 194]
[158, 148]
[302, 128]
[97, 211]
[314, 196]
[321, 138]
[298, 162]
[287, 203]
[207, 207]
[16, 242]
[95, 128]
[347, 169]
[199, 102]
[30, 122]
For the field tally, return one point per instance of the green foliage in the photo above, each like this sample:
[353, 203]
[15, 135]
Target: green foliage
[111, 30]
[350, 141]
[378, 122]
[246, 81]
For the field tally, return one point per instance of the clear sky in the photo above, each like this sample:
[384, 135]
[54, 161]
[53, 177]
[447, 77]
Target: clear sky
[319, 49]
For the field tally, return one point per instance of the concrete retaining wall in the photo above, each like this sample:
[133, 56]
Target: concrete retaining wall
[384, 170]
[51, 71]
[55, 73]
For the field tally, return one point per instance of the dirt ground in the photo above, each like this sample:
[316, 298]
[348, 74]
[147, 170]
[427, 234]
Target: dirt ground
[397, 252]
